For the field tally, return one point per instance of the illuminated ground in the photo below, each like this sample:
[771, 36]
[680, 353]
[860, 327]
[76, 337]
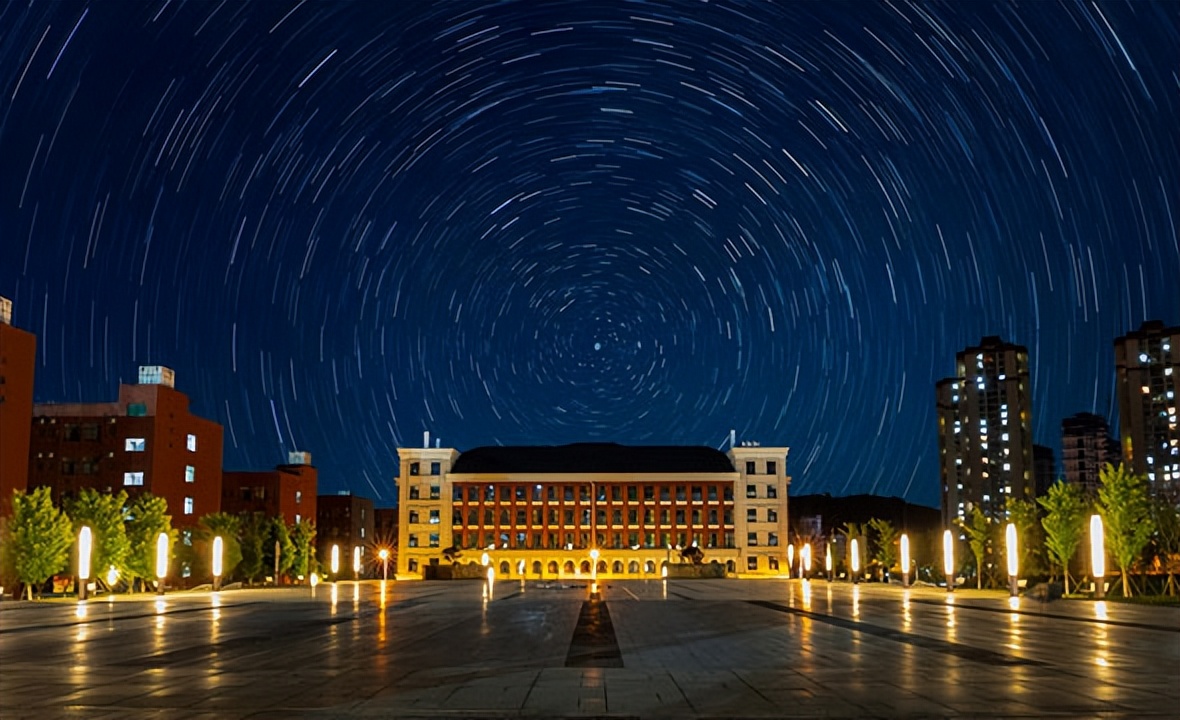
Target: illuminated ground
[691, 649]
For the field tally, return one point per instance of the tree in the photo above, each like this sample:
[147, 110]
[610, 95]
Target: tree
[303, 541]
[885, 542]
[979, 530]
[852, 531]
[251, 535]
[1064, 524]
[146, 519]
[1166, 518]
[277, 532]
[1030, 542]
[41, 537]
[106, 516]
[200, 554]
[1126, 516]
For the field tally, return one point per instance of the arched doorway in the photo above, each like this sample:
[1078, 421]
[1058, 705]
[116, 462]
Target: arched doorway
[585, 567]
[617, 567]
[633, 567]
[505, 568]
[552, 567]
[729, 566]
[537, 567]
[649, 566]
[568, 568]
[601, 567]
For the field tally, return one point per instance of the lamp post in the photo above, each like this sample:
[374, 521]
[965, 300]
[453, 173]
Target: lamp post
[85, 546]
[383, 553]
[218, 553]
[1097, 556]
[948, 559]
[1013, 559]
[356, 562]
[805, 558]
[854, 549]
[828, 560]
[790, 559]
[905, 560]
[161, 561]
[594, 565]
[334, 564]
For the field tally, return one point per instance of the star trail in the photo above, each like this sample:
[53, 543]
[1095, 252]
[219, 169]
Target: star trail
[344, 223]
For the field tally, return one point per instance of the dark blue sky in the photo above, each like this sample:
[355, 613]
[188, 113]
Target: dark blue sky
[526, 222]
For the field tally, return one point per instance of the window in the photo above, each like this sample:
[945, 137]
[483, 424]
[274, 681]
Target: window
[298, 518]
[133, 478]
[751, 491]
[434, 519]
[752, 539]
[298, 498]
[434, 540]
[137, 410]
[771, 467]
[414, 468]
[434, 492]
[771, 491]
[772, 516]
[751, 563]
[413, 541]
[188, 506]
[413, 492]
[436, 468]
[413, 516]
[751, 515]
[190, 443]
[190, 474]
[362, 533]
[134, 445]
[750, 467]
[772, 539]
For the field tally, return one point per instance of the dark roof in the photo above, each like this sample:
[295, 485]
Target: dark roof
[593, 458]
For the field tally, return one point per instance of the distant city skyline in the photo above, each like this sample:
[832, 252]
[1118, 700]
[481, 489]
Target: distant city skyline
[345, 224]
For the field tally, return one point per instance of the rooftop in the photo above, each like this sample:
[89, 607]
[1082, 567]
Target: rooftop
[593, 458]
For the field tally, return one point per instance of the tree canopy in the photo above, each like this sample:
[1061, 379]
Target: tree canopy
[40, 537]
[1126, 516]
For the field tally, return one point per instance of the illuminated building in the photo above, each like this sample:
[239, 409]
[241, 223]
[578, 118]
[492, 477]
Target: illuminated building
[18, 356]
[1086, 446]
[985, 431]
[288, 491]
[346, 520]
[146, 441]
[1147, 380]
[548, 507]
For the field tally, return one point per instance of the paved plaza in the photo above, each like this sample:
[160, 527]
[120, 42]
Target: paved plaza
[675, 649]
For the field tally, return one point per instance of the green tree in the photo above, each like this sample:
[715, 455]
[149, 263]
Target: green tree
[1166, 518]
[854, 531]
[1126, 516]
[147, 517]
[884, 542]
[40, 537]
[979, 537]
[1030, 540]
[277, 532]
[251, 535]
[214, 525]
[106, 516]
[1064, 523]
[303, 541]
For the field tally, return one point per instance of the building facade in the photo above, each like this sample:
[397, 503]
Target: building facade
[18, 358]
[288, 491]
[985, 431]
[345, 521]
[541, 511]
[1086, 446]
[1044, 469]
[1147, 381]
[147, 441]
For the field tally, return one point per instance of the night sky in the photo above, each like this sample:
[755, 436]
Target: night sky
[536, 223]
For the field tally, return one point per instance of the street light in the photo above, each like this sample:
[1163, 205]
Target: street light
[905, 560]
[594, 565]
[1013, 558]
[335, 563]
[484, 559]
[805, 557]
[855, 549]
[948, 559]
[161, 561]
[356, 562]
[790, 559]
[383, 553]
[218, 553]
[1097, 556]
[85, 545]
[828, 560]
[112, 577]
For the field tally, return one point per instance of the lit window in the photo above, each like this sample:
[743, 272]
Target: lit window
[191, 442]
[298, 498]
[752, 563]
[298, 517]
[362, 533]
[752, 539]
[190, 474]
[133, 478]
[434, 520]
[188, 506]
[134, 445]
[433, 540]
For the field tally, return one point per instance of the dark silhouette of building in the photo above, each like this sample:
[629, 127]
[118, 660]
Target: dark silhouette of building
[146, 441]
[1086, 446]
[1044, 469]
[288, 491]
[985, 431]
[345, 520]
[385, 527]
[18, 358]
[1147, 381]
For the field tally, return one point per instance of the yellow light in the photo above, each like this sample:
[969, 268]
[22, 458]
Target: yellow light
[356, 559]
[112, 576]
[806, 553]
[1097, 548]
[790, 557]
[594, 554]
[828, 559]
[85, 545]
[335, 559]
[905, 553]
[948, 552]
[383, 554]
[855, 556]
[315, 579]
[483, 559]
[218, 552]
[1013, 552]
[162, 555]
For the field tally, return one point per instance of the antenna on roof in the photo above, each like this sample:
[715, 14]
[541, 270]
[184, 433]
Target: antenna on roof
[732, 438]
[426, 439]
[438, 442]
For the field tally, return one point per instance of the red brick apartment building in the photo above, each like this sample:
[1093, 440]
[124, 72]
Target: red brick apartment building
[344, 520]
[147, 441]
[288, 490]
[18, 357]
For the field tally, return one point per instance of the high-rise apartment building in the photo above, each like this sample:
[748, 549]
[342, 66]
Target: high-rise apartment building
[1044, 469]
[985, 431]
[1147, 380]
[1086, 446]
[18, 357]
[146, 441]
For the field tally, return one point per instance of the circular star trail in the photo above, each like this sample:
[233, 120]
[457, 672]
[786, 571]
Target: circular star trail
[543, 222]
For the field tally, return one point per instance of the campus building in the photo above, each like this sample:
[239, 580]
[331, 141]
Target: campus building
[345, 521]
[1147, 381]
[1086, 446]
[288, 491]
[985, 442]
[18, 357]
[146, 441]
[552, 511]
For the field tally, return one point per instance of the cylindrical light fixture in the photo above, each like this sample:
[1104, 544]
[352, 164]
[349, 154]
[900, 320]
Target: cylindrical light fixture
[905, 560]
[161, 561]
[356, 562]
[85, 547]
[806, 553]
[335, 563]
[790, 559]
[1097, 556]
[828, 560]
[218, 555]
[948, 559]
[1013, 558]
[854, 549]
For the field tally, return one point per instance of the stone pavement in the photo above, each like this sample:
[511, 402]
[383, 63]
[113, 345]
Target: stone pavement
[674, 649]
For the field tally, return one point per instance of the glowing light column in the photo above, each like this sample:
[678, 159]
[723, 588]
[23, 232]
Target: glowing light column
[948, 559]
[1013, 559]
[85, 546]
[218, 555]
[356, 562]
[855, 551]
[828, 560]
[1097, 556]
[384, 555]
[905, 560]
[335, 562]
[161, 561]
